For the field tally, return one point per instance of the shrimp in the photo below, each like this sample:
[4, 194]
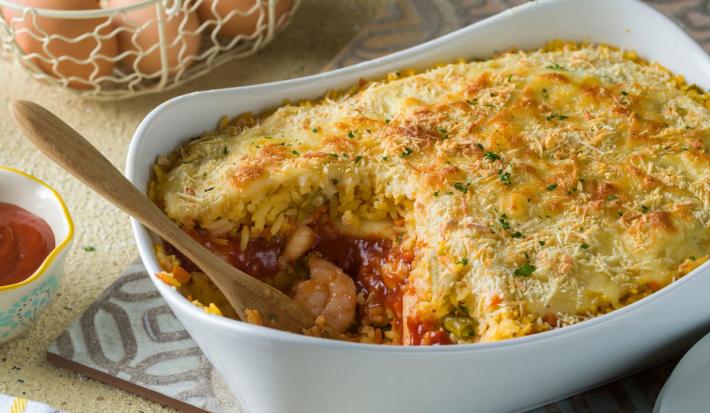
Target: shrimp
[299, 243]
[329, 293]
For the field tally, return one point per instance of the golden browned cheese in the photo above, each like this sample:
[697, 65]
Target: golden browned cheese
[537, 189]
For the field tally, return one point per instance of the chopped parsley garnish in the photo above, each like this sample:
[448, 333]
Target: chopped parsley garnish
[462, 187]
[315, 130]
[472, 102]
[387, 121]
[225, 151]
[584, 245]
[517, 234]
[295, 153]
[462, 261]
[406, 152]
[479, 146]
[623, 92]
[504, 177]
[504, 221]
[544, 93]
[89, 248]
[462, 308]
[557, 116]
[358, 158]
[333, 155]
[272, 317]
[525, 271]
[644, 209]
[611, 198]
[268, 137]
[491, 156]
[436, 193]
[351, 135]
[384, 158]
[443, 133]
[551, 187]
[555, 66]
[542, 243]
[209, 189]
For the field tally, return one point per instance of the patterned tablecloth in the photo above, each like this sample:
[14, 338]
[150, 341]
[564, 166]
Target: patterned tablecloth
[130, 339]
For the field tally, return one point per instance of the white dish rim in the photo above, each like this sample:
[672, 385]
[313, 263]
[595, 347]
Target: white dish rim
[145, 242]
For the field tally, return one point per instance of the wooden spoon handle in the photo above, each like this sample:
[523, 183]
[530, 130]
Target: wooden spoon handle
[69, 149]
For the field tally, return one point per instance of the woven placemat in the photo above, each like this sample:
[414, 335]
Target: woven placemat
[130, 339]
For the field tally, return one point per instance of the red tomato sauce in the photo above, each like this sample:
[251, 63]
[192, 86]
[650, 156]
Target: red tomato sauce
[379, 269]
[25, 241]
[426, 332]
[260, 258]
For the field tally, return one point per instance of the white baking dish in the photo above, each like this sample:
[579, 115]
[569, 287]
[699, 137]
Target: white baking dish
[274, 372]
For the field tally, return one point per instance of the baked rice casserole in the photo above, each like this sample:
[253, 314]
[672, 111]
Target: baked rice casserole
[472, 202]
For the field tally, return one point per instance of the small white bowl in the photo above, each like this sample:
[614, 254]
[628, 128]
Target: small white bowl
[20, 303]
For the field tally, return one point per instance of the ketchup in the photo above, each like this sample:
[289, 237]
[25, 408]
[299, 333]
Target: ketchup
[25, 241]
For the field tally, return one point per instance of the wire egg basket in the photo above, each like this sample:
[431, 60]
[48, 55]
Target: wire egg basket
[127, 48]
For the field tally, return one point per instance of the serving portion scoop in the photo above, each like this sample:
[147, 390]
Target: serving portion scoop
[74, 153]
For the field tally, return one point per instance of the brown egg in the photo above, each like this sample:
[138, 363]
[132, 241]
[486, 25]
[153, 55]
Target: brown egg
[86, 72]
[238, 24]
[139, 34]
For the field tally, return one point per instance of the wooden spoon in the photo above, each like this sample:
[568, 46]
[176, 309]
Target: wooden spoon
[71, 151]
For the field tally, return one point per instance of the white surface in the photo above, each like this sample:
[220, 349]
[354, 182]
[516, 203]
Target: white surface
[272, 371]
[40, 200]
[688, 388]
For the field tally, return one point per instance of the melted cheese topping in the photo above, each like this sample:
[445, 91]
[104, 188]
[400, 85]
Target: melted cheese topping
[537, 189]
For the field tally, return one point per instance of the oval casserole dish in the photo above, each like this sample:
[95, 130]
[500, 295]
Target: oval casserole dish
[272, 371]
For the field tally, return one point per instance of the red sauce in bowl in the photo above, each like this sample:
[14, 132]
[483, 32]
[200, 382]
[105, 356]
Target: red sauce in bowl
[25, 241]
